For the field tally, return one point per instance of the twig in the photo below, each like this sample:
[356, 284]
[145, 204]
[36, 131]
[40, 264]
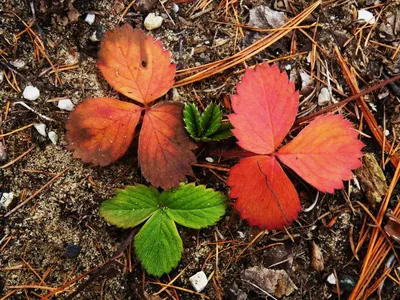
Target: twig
[34, 111]
[36, 193]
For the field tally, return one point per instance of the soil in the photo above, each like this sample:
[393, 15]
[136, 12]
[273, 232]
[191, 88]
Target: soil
[59, 235]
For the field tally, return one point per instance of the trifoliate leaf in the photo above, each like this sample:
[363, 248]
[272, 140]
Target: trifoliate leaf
[223, 132]
[191, 117]
[158, 244]
[130, 206]
[210, 119]
[193, 206]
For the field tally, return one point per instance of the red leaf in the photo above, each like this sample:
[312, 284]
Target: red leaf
[101, 130]
[265, 108]
[266, 197]
[165, 154]
[135, 65]
[324, 153]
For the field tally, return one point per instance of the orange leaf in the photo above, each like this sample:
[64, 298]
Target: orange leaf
[265, 109]
[135, 65]
[266, 197]
[101, 129]
[324, 153]
[165, 154]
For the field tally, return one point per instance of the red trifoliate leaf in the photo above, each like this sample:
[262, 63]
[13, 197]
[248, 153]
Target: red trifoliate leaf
[265, 196]
[324, 153]
[135, 65]
[265, 108]
[100, 130]
[165, 154]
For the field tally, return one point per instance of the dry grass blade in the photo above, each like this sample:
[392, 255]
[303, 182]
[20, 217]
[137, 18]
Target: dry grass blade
[210, 69]
[378, 247]
[369, 117]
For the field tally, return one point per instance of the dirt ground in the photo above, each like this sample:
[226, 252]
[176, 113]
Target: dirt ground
[58, 235]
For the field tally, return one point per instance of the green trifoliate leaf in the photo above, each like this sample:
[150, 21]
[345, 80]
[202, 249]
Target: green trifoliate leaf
[191, 117]
[193, 206]
[130, 206]
[158, 244]
[210, 119]
[223, 132]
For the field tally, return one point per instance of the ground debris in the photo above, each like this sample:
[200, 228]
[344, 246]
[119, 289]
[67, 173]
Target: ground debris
[372, 179]
[274, 282]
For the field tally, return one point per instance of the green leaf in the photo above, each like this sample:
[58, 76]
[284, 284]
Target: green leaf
[223, 132]
[193, 206]
[191, 117]
[130, 206]
[158, 244]
[210, 119]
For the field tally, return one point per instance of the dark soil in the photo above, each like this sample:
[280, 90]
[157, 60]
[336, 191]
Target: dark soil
[59, 235]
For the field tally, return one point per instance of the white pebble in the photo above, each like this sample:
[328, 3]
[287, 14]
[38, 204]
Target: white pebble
[53, 137]
[210, 159]
[1, 76]
[199, 281]
[306, 79]
[241, 235]
[175, 7]
[31, 93]
[366, 16]
[18, 63]
[331, 279]
[6, 199]
[324, 97]
[175, 95]
[66, 104]
[386, 132]
[93, 37]
[90, 18]
[41, 128]
[152, 21]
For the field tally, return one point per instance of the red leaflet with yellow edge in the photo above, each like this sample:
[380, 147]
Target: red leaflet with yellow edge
[265, 195]
[324, 153]
[165, 150]
[265, 109]
[100, 130]
[135, 65]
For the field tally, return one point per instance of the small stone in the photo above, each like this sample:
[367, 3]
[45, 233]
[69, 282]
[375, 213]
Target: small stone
[94, 37]
[53, 137]
[210, 159]
[18, 63]
[72, 250]
[347, 283]
[41, 128]
[175, 95]
[152, 21]
[1, 76]
[264, 17]
[331, 279]
[366, 16]
[199, 281]
[306, 79]
[324, 97]
[31, 93]
[66, 104]
[3, 153]
[175, 8]
[90, 18]
[6, 199]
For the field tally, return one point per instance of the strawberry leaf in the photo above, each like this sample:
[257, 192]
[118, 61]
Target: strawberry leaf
[193, 206]
[210, 120]
[135, 65]
[165, 154]
[158, 244]
[324, 152]
[265, 108]
[265, 196]
[130, 206]
[191, 117]
[223, 132]
[100, 130]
